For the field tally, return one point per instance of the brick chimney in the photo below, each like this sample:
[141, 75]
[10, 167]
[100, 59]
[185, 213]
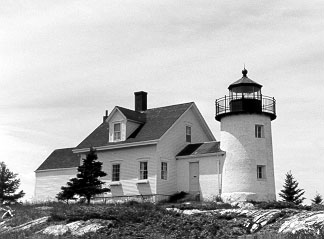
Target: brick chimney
[140, 101]
[105, 116]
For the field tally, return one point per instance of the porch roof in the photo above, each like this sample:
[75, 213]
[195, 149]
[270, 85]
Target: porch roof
[200, 149]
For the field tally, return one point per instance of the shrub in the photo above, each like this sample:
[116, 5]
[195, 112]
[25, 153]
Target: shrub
[177, 196]
[279, 205]
[317, 207]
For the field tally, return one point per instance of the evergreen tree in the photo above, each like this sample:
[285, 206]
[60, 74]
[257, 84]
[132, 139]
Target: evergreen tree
[87, 182]
[8, 185]
[317, 199]
[290, 191]
[66, 194]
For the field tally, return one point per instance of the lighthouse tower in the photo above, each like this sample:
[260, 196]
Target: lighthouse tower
[245, 116]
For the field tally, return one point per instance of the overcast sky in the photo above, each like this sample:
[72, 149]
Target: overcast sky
[63, 63]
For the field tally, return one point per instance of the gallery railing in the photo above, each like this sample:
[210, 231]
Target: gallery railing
[241, 103]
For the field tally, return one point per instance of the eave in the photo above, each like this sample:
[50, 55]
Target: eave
[217, 154]
[117, 146]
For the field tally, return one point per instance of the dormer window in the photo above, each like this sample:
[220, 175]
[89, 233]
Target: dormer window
[117, 132]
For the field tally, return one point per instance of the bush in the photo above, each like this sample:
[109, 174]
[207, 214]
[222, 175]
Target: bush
[279, 205]
[177, 196]
[317, 207]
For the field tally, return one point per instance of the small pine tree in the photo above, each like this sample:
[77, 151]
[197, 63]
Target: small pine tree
[317, 199]
[66, 194]
[87, 182]
[291, 192]
[9, 185]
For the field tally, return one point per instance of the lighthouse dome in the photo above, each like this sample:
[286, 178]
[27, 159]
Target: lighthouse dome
[245, 84]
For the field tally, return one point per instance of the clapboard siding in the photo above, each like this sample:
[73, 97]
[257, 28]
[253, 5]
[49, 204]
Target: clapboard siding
[172, 143]
[210, 177]
[129, 160]
[49, 182]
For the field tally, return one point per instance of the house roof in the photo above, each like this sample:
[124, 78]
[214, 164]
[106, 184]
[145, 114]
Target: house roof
[200, 149]
[157, 122]
[60, 158]
[133, 115]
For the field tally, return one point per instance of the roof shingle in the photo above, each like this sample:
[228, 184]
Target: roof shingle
[200, 148]
[60, 158]
[157, 122]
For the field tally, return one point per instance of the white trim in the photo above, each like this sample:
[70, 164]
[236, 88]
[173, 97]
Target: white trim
[116, 160]
[143, 159]
[120, 122]
[162, 159]
[117, 146]
[113, 112]
[201, 155]
[54, 169]
[167, 170]
[142, 181]
[115, 183]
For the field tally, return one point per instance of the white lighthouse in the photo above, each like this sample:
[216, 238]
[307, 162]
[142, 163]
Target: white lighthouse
[245, 116]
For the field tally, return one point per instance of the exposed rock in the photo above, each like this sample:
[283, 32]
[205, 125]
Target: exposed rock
[56, 230]
[24, 226]
[90, 226]
[262, 218]
[193, 211]
[77, 228]
[304, 222]
[43, 208]
[243, 205]
[257, 218]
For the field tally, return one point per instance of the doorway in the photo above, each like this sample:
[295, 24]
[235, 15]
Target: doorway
[194, 177]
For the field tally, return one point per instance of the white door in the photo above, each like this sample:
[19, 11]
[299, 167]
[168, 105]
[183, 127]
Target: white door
[194, 177]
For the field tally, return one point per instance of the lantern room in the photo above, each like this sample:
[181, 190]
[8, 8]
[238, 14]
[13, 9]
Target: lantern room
[245, 88]
[245, 97]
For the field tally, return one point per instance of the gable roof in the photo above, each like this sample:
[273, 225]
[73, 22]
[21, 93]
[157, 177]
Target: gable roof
[157, 122]
[200, 149]
[60, 158]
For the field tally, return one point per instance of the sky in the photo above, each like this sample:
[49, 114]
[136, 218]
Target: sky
[63, 63]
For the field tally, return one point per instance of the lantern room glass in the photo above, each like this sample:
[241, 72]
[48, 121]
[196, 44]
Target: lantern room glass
[246, 92]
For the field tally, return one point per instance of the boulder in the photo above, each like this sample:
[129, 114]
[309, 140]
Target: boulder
[310, 223]
[77, 228]
[56, 230]
[89, 226]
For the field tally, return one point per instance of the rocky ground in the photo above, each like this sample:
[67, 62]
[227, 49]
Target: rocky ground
[293, 223]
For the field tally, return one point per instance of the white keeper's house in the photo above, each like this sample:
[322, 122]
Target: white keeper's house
[160, 151]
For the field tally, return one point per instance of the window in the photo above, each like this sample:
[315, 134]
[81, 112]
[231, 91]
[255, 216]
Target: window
[164, 170]
[117, 132]
[115, 172]
[188, 134]
[143, 170]
[261, 172]
[259, 131]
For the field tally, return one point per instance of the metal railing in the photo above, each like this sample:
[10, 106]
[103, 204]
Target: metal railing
[223, 105]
